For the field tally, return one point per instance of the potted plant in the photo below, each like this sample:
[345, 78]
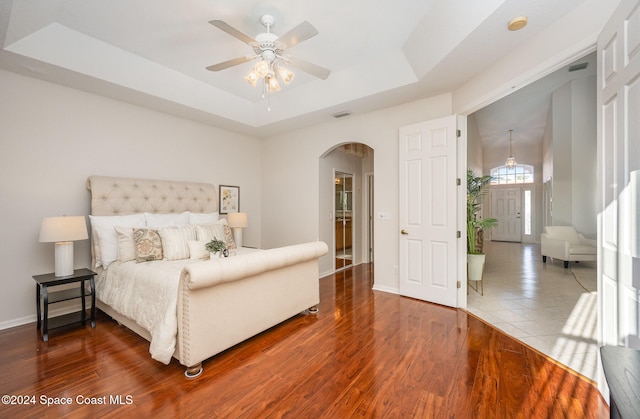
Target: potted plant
[216, 246]
[476, 192]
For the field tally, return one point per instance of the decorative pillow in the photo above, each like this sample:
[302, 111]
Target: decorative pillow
[175, 241]
[105, 238]
[203, 218]
[166, 220]
[148, 244]
[208, 232]
[228, 237]
[197, 249]
[126, 244]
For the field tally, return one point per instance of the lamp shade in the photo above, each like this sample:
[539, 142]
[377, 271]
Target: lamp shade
[63, 229]
[237, 219]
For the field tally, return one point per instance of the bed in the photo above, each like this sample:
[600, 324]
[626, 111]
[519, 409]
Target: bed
[188, 307]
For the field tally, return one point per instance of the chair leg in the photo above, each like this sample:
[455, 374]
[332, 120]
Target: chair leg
[566, 264]
[544, 259]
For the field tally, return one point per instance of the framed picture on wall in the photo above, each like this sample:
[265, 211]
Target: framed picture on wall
[229, 199]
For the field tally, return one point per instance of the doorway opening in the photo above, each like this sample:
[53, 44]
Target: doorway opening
[558, 139]
[344, 217]
[346, 206]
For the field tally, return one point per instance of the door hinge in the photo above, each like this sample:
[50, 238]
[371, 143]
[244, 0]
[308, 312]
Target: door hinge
[458, 133]
[458, 182]
[458, 284]
[458, 234]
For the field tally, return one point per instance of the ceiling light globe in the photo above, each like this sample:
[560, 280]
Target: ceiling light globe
[274, 86]
[261, 68]
[251, 78]
[510, 163]
[286, 75]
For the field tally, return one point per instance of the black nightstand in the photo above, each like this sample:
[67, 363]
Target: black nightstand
[43, 282]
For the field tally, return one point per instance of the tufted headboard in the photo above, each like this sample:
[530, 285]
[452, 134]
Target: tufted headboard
[120, 196]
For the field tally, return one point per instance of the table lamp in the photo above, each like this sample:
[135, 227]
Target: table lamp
[237, 221]
[63, 231]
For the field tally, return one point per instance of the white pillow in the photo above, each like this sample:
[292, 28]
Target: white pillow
[175, 241]
[208, 232]
[197, 249]
[203, 218]
[126, 244]
[105, 238]
[166, 220]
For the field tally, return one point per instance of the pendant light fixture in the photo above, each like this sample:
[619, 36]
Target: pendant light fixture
[511, 161]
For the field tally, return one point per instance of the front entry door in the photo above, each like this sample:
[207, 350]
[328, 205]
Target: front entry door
[506, 208]
[428, 211]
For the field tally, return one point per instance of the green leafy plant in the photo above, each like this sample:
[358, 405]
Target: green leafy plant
[215, 246]
[476, 192]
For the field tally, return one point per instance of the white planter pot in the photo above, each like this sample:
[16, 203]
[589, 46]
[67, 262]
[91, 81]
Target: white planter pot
[475, 266]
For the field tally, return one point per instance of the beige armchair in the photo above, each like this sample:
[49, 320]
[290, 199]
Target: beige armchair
[566, 244]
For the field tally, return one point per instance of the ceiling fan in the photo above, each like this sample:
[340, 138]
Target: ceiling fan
[271, 48]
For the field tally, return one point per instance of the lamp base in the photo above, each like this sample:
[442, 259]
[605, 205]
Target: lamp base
[237, 236]
[64, 258]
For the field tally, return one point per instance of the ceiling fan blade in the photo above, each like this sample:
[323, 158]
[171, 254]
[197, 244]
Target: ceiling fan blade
[230, 63]
[300, 33]
[224, 26]
[310, 68]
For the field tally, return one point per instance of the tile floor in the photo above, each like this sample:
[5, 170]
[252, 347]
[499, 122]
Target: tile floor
[550, 308]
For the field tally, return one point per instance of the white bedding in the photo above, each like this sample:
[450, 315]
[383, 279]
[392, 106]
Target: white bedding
[147, 293]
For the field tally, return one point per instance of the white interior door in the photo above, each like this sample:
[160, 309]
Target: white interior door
[428, 212]
[506, 207]
[618, 157]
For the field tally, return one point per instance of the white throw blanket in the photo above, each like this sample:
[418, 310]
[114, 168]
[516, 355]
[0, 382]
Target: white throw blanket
[147, 293]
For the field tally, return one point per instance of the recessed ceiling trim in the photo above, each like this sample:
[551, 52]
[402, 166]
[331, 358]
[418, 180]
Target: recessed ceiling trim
[103, 61]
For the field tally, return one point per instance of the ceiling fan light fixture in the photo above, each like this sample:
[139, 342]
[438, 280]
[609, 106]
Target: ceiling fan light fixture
[274, 86]
[252, 78]
[261, 69]
[269, 49]
[286, 74]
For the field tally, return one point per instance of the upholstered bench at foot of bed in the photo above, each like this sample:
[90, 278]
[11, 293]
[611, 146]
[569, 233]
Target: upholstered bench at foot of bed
[224, 302]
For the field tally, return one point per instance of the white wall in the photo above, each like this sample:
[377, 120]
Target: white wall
[572, 141]
[53, 137]
[584, 146]
[562, 162]
[475, 153]
[295, 155]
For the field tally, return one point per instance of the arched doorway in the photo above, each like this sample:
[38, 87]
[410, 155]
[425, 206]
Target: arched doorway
[346, 205]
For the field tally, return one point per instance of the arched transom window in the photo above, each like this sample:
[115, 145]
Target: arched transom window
[520, 173]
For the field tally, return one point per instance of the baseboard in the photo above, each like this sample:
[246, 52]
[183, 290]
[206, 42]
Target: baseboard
[383, 288]
[8, 324]
[32, 318]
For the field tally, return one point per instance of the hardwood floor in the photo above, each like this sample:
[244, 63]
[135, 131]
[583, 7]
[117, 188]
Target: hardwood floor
[365, 354]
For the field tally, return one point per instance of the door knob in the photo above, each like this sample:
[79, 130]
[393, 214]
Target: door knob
[403, 232]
